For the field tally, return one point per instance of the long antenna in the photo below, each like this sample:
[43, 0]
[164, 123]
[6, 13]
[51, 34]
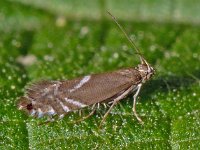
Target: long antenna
[129, 39]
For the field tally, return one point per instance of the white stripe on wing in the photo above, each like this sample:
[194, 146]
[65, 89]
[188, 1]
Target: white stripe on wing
[74, 102]
[81, 83]
[65, 108]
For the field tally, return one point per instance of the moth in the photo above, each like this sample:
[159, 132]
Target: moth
[50, 98]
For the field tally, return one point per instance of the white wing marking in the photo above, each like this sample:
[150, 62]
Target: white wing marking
[76, 103]
[65, 108]
[81, 83]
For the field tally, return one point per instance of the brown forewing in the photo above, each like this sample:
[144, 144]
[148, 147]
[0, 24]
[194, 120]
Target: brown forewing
[101, 87]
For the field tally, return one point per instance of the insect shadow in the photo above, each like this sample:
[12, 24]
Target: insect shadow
[166, 84]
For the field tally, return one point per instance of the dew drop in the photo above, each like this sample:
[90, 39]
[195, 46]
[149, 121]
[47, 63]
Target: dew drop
[12, 87]
[133, 37]
[180, 117]
[125, 47]
[116, 55]
[103, 48]
[9, 77]
[61, 21]
[194, 94]
[174, 90]
[195, 55]
[16, 43]
[19, 80]
[3, 70]
[48, 58]
[24, 76]
[152, 48]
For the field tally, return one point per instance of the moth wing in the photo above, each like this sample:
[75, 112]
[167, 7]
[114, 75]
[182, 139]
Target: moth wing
[100, 87]
[40, 89]
[60, 97]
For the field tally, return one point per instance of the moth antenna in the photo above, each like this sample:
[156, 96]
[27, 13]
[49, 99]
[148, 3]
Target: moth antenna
[128, 38]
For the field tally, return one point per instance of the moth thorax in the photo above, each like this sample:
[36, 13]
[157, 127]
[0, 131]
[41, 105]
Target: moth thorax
[146, 71]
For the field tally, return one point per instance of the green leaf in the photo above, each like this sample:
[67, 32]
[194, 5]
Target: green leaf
[64, 40]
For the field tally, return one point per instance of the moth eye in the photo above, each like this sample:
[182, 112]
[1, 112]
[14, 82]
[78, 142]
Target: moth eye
[29, 106]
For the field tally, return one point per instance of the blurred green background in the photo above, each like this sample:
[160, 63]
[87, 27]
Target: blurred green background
[59, 39]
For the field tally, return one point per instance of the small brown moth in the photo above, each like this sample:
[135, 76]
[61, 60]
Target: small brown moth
[49, 98]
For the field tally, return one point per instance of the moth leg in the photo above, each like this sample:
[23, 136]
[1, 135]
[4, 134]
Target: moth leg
[115, 101]
[134, 104]
[85, 117]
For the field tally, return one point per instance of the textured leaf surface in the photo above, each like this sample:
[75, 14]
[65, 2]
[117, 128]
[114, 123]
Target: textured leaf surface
[51, 40]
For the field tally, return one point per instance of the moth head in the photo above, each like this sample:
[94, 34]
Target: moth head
[145, 69]
[25, 104]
